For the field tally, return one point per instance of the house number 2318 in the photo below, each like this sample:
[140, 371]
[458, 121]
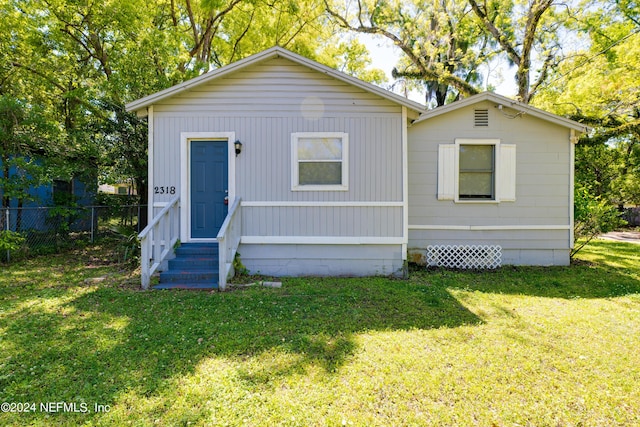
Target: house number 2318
[164, 190]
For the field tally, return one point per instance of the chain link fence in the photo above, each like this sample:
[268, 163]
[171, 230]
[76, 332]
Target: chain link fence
[48, 230]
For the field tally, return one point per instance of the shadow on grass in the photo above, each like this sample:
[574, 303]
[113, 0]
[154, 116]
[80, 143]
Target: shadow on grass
[95, 344]
[109, 341]
[602, 270]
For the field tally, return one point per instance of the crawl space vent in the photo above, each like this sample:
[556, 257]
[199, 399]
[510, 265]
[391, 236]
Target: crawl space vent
[481, 118]
[464, 256]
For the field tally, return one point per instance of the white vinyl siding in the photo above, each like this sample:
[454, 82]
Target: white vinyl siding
[319, 161]
[265, 162]
[532, 229]
[267, 89]
[484, 179]
[358, 230]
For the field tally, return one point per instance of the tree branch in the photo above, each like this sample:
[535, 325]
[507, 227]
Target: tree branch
[523, 75]
[424, 72]
[244, 33]
[497, 34]
[542, 77]
[203, 42]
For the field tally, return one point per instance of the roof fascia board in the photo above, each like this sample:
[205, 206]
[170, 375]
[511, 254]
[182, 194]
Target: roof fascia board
[271, 53]
[398, 99]
[506, 102]
[203, 78]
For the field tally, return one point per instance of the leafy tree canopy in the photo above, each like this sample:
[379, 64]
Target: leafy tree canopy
[79, 62]
[599, 86]
[75, 63]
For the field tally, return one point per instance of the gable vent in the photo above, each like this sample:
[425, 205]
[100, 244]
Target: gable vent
[481, 118]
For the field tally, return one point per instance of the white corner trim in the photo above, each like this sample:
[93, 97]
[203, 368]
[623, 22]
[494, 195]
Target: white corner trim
[405, 184]
[320, 240]
[489, 227]
[296, 204]
[572, 156]
[185, 182]
[150, 163]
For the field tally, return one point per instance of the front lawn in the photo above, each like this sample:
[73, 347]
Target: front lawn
[81, 344]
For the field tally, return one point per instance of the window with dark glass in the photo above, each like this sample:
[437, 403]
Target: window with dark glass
[477, 172]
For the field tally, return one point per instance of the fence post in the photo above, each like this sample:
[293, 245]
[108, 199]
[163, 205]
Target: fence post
[7, 228]
[92, 214]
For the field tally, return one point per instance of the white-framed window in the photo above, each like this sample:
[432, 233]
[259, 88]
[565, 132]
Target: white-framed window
[320, 161]
[477, 171]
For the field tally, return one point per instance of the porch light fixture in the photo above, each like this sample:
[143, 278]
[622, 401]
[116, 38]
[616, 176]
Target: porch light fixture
[238, 146]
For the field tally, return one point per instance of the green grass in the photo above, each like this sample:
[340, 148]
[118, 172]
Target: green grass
[519, 346]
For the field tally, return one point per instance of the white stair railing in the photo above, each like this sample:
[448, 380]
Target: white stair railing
[158, 239]
[228, 242]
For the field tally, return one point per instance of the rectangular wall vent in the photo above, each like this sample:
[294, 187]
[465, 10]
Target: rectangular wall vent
[464, 256]
[481, 118]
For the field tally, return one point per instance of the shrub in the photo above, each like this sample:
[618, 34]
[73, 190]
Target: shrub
[128, 246]
[592, 217]
[10, 241]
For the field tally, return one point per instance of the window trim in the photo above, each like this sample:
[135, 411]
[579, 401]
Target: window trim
[295, 163]
[496, 168]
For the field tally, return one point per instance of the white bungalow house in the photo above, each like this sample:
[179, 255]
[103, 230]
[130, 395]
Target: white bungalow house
[304, 170]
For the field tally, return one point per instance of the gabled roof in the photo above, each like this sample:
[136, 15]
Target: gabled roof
[274, 52]
[502, 101]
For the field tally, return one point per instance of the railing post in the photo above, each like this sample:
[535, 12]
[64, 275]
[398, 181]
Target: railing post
[156, 241]
[228, 240]
[166, 233]
[174, 219]
[156, 237]
[144, 265]
[222, 263]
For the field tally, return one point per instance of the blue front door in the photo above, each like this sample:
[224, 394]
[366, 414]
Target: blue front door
[209, 187]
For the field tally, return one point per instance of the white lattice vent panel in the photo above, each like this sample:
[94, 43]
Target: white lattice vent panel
[464, 256]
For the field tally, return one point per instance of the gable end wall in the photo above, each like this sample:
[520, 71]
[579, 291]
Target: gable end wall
[533, 229]
[263, 105]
